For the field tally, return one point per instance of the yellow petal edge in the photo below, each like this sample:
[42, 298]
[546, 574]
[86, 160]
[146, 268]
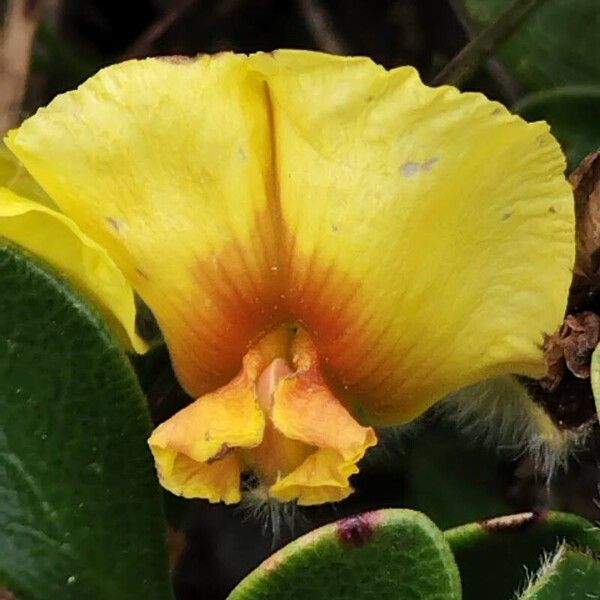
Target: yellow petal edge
[56, 238]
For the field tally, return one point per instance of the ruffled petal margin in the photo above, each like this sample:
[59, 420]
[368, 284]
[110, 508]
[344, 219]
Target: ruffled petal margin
[194, 449]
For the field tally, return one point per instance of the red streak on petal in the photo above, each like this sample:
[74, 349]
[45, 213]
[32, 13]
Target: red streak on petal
[236, 301]
[247, 289]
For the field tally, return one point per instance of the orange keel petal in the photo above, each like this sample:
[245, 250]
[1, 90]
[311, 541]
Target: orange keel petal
[193, 450]
[305, 409]
[218, 481]
[322, 477]
[227, 418]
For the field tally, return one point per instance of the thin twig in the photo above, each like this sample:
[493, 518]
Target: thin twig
[142, 45]
[20, 24]
[481, 47]
[320, 27]
[510, 89]
[54, 12]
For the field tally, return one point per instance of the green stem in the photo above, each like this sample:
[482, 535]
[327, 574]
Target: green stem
[481, 47]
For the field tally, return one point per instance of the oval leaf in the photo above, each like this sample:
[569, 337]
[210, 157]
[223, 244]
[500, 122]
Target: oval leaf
[595, 377]
[495, 556]
[556, 45]
[80, 513]
[389, 555]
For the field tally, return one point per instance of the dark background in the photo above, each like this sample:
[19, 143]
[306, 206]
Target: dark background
[83, 35]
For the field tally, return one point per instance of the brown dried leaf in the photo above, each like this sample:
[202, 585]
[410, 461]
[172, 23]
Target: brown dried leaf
[6, 595]
[586, 183]
[583, 334]
[571, 347]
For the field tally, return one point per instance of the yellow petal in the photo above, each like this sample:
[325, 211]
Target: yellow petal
[167, 164]
[217, 481]
[276, 455]
[214, 424]
[305, 409]
[429, 233]
[194, 450]
[15, 177]
[322, 477]
[58, 240]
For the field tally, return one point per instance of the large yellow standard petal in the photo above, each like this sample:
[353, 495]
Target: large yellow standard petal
[429, 234]
[422, 237]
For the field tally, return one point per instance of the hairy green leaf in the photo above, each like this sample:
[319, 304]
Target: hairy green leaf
[385, 555]
[569, 574]
[80, 514]
[495, 556]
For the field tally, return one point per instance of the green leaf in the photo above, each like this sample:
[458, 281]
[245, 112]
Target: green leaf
[595, 377]
[569, 574]
[80, 512]
[574, 116]
[389, 555]
[452, 480]
[556, 46]
[495, 556]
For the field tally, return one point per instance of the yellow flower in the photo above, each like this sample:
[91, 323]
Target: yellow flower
[326, 245]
